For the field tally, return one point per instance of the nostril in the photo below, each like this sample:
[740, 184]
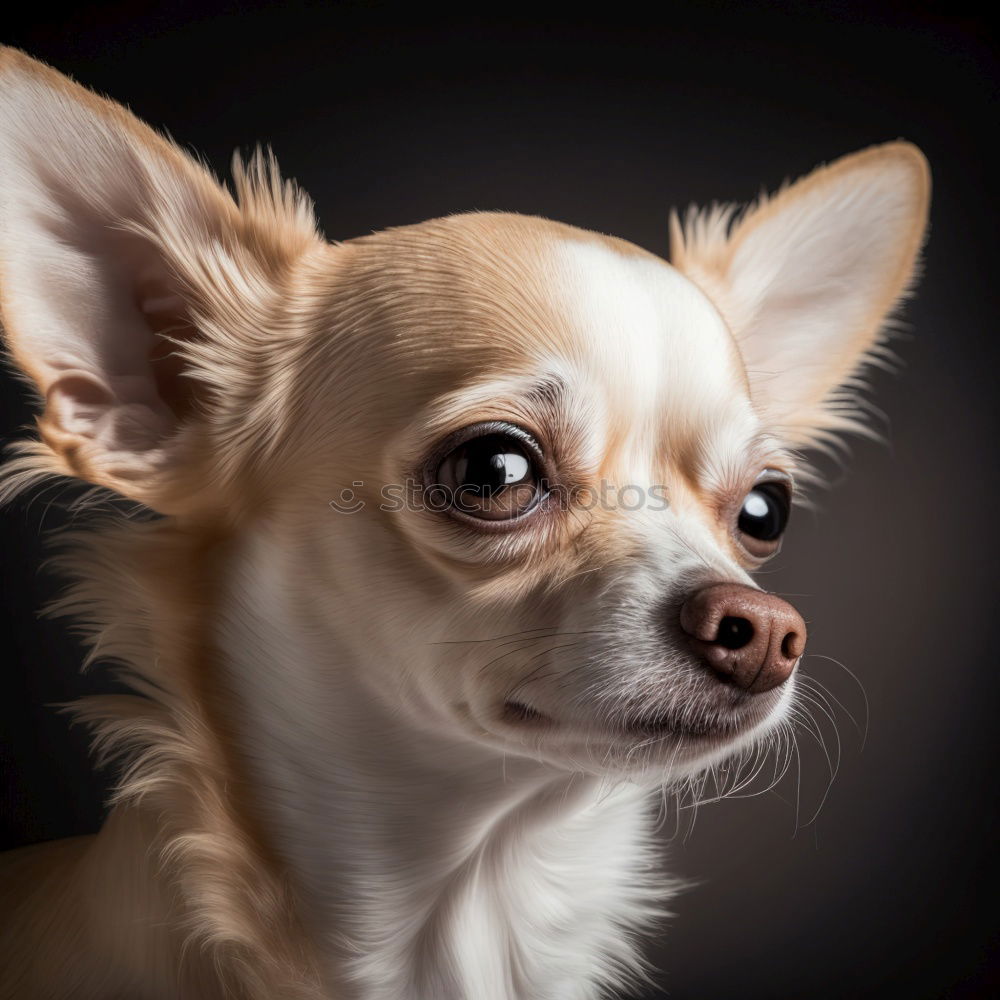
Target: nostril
[734, 633]
[791, 646]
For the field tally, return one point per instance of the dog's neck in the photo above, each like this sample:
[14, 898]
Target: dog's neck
[426, 866]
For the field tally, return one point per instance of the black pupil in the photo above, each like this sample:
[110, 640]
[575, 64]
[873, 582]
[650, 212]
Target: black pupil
[491, 463]
[764, 513]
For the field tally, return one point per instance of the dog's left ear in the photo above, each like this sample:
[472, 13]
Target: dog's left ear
[807, 279]
[138, 295]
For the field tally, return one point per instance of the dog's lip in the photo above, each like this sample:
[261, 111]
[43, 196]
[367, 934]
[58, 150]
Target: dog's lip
[730, 725]
[519, 712]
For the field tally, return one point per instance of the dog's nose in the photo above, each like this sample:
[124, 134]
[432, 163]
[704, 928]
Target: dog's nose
[750, 638]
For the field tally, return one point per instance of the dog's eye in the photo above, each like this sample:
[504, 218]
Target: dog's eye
[492, 476]
[763, 516]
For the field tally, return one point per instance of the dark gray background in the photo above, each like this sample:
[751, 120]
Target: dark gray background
[389, 118]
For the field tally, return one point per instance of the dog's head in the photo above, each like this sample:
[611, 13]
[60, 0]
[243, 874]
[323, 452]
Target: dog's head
[520, 474]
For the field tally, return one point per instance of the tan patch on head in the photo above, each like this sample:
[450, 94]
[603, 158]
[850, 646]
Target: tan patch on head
[458, 301]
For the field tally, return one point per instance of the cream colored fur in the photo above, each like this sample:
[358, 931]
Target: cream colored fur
[322, 795]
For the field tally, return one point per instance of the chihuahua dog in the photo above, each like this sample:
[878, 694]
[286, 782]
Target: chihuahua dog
[452, 569]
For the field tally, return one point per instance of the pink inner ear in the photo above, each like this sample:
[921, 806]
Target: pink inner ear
[84, 390]
[77, 402]
[86, 408]
[168, 320]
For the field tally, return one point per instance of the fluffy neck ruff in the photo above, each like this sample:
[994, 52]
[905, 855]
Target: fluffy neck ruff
[371, 861]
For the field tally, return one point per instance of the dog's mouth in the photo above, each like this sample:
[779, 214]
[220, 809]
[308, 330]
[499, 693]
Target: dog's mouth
[517, 712]
[646, 726]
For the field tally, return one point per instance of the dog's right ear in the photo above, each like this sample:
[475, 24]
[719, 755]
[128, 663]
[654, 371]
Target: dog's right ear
[806, 281]
[133, 287]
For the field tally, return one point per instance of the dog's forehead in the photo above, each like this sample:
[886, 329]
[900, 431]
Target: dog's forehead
[488, 307]
[507, 293]
[640, 328]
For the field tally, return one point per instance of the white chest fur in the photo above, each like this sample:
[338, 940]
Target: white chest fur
[427, 868]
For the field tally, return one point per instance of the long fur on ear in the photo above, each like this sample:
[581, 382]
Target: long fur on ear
[808, 279]
[135, 292]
